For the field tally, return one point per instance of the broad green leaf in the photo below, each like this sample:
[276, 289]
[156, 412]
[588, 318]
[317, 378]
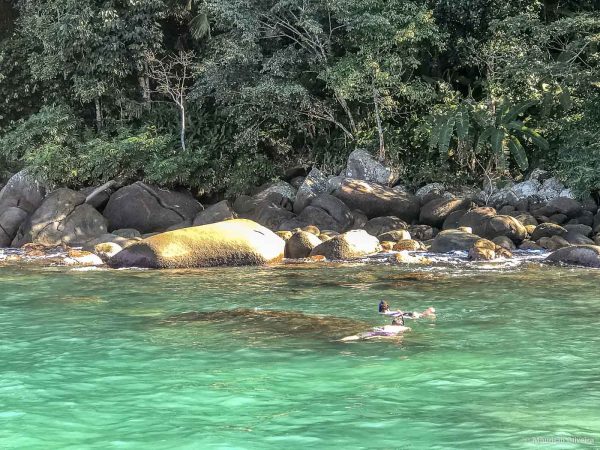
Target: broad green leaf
[518, 152]
[533, 135]
[446, 135]
[483, 138]
[497, 142]
[462, 124]
[434, 137]
[517, 110]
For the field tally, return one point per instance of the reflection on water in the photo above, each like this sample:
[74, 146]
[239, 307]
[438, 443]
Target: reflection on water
[248, 357]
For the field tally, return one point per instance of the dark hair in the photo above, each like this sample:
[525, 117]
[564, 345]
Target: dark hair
[398, 321]
[383, 306]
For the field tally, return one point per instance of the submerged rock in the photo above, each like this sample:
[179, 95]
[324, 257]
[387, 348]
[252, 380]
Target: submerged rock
[581, 255]
[231, 243]
[274, 323]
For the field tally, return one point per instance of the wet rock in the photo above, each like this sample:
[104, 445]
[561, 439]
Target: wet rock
[218, 212]
[376, 200]
[530, 245]
[62, 218]
[387, 246]
[107, 250]
[234, 242]
[314, 184]
[436, 211]
[19, 198]
[109, 237]
[404, 257]
[148, 208]
[350, 245]
[504, 242]
[381, 225]
[547, 230]
[362, 166]
[553, 243]
[453, 240]
[300, 245]
[360, 220]
[422, 232]
[82, 258]
[394, 236]
[408, 245]
[581, 255]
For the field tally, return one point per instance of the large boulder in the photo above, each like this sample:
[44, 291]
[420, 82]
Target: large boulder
[547, 230]
[21, 196]
[505, 226]
[301, 244]
[280, 187]
[326, 212]
[313, 185]
[350, 245]
[148, 208]
[218, 212]
[362, 166]
[436, 211]
[477, 219]
[62, 218]
[429, 192]
[376, 200]
[581, 255]
[453, 240]
[231, 243]
[380, 225]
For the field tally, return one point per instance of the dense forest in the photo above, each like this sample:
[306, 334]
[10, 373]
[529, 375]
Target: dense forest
[221, 95]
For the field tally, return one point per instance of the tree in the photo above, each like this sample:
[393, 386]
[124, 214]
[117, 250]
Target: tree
[173, 76]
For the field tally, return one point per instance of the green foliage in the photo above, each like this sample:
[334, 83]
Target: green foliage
[444, 90]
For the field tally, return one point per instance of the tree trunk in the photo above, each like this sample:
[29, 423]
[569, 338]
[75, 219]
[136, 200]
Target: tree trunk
[182, 135]
[346, 109]
[98, 113]
[379, 125]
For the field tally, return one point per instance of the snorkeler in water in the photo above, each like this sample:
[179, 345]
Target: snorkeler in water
[388, 331]
[384, 309]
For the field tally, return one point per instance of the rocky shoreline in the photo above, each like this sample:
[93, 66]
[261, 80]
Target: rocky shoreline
[362, 213]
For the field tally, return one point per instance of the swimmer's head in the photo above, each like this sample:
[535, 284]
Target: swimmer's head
[383, 306]
[431, 310]
[398, 321]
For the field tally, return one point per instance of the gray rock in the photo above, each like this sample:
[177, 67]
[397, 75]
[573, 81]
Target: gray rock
[584, 230]
[575, 238]
[128, 233]
[362, 166]
[215, 213]
[300, 245]
[436, 211]
[506, 226]
[547, 230]
[380, 225]
[19, 198]
[581, 255]
[279, 187]
[550, 189]
[314, 184]
[148, 208]
[430, 191]
[62, 218]
[477, 219]
[350, 245]
[376, 200]
[453, 240]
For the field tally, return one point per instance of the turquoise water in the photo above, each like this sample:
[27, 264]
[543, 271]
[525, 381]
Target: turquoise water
[95, 359]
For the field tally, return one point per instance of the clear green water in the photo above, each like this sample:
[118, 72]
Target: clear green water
[87, 360]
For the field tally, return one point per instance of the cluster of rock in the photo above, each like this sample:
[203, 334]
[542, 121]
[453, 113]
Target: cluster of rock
[359, 213]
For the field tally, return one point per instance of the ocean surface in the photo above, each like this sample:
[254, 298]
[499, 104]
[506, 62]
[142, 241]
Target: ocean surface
[250, 358]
